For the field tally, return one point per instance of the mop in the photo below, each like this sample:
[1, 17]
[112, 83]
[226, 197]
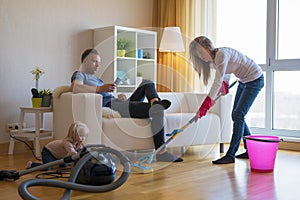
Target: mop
[143, 164]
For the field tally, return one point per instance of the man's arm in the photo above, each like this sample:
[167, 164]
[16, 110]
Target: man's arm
[79, 87]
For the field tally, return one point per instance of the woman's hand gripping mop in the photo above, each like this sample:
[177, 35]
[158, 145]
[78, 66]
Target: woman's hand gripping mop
[143, 164]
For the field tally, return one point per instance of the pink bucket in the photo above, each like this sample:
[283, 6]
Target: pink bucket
[262, 152]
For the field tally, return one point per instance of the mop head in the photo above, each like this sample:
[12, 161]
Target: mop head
[141, 169]
[143, 165]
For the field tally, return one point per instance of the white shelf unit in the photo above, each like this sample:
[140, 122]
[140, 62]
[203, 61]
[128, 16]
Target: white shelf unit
[126, 68]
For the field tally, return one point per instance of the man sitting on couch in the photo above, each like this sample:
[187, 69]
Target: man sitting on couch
[84, 80]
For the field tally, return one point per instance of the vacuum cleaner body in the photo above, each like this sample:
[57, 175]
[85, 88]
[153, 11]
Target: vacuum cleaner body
[99, 170]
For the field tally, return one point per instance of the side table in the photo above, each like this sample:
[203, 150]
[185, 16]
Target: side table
[35, 133]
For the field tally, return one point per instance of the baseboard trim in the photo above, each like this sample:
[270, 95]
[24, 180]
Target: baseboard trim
[20, 147]
[287, 145]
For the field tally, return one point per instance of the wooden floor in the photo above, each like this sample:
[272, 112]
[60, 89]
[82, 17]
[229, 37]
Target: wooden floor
[194, 179]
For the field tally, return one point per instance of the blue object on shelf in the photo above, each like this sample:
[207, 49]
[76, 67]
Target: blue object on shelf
[121, 74]
[140, 53]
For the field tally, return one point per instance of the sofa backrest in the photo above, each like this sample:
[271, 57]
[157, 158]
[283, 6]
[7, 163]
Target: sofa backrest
[194, 101]
[189, 102]
[179, 103]
[186, 102]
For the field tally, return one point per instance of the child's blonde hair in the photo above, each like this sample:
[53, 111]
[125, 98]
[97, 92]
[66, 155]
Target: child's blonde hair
[77, 128]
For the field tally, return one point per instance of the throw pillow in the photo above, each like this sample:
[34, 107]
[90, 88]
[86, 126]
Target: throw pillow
[110, 113]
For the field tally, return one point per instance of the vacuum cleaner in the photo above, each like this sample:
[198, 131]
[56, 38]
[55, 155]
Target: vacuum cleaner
[143, 164]
[93, 171]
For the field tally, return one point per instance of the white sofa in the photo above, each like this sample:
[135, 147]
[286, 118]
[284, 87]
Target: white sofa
[135, 134]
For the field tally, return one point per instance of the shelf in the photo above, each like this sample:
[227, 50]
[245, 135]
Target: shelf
[125, 58]
[141, 59]
[128, 86]
[126, 68]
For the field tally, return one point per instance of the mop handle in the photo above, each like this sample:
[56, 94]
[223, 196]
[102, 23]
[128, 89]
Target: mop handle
[176, 131]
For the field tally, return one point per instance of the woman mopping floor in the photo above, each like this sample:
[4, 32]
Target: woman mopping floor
[227, 61]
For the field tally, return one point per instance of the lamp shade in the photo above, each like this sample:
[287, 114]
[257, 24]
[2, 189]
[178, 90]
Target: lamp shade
[171, 40]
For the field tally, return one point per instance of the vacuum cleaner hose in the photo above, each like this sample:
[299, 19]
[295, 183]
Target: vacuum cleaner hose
[71, 185]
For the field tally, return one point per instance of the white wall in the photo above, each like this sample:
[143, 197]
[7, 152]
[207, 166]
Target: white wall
[52, 34]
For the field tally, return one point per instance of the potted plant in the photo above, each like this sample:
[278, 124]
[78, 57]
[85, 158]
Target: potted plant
[123, 48]
[37, 72]
[139, 74]
[36, 98]
[139, 77]
[41, 98]
[46, 97]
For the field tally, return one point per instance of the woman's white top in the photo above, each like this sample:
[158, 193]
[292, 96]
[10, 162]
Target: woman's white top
[230, 61]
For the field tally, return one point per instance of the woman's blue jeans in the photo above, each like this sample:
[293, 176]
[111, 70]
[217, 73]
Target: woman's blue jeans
[245, 95]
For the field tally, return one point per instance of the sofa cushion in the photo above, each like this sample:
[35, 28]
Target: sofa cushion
[132, 133]
[110, 113]
[127, 133]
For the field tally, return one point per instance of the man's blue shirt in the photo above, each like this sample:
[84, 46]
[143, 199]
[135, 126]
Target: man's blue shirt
[92, 80]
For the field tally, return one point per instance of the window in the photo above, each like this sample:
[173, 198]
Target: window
[245, 31]
[267, 32]
[288, 30]
[286, 100]
[242, 25]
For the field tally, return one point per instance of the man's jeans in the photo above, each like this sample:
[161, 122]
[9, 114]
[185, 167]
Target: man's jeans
[135, 107]
[244, 98]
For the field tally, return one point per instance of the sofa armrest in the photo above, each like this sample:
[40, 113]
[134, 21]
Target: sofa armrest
[84, 107]
[225, 111]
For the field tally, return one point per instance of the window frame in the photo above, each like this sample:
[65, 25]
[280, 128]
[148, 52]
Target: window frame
[271, 65]
[274, 65]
